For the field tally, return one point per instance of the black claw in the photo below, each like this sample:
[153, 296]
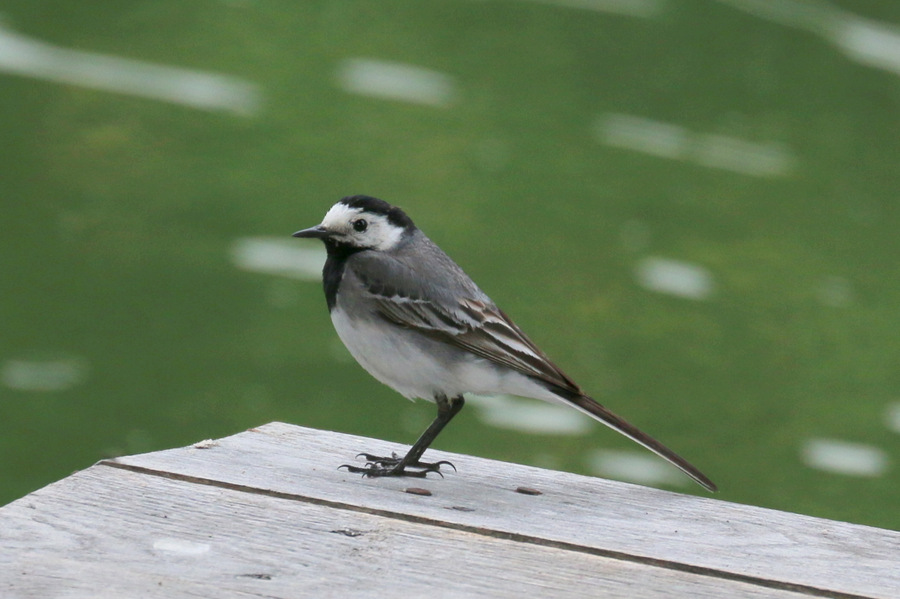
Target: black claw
[377, 466]
[438, 465]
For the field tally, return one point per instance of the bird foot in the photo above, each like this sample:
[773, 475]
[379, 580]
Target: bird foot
[394, 466]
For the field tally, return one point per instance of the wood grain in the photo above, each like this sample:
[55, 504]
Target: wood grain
[124, 534]
[591, 514]
[266, 513]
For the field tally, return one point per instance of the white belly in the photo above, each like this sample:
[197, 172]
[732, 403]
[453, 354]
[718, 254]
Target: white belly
[418, 367]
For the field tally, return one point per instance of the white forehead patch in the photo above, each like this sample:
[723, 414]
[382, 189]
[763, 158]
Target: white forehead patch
[379, 235]
[339, 217]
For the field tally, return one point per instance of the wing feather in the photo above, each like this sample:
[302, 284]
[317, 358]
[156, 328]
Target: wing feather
[480, 328]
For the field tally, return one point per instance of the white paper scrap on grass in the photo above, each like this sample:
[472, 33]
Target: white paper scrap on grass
[288, 257]
[396, 81]
[44, 374]
[892, 417]
[635, 467]
[29, 57]
[529, 416]
[632, 8]
[844, 457]
[666, 140]
[674, 277]
[869, 42]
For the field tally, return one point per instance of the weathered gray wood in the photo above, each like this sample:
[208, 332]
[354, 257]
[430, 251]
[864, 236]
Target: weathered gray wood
[591, 514]
[267, 500]
[124, 534]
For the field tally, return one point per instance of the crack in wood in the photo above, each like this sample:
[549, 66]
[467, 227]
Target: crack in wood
[498, 534]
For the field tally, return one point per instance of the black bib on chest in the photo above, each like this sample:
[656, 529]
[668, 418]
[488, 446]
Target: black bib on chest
[334, 270]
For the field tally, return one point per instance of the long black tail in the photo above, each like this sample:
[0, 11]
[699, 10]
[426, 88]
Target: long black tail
[598, 412]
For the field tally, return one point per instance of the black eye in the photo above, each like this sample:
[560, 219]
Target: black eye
[360, 225]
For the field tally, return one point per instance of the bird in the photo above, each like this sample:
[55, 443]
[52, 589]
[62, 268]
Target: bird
[416, 322]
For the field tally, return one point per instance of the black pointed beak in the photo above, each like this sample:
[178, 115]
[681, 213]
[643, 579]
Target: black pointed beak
[317, 232]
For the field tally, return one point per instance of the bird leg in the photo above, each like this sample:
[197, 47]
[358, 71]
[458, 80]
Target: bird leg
[409, 465]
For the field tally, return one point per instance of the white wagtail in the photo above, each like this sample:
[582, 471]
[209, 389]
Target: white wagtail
[416, 322]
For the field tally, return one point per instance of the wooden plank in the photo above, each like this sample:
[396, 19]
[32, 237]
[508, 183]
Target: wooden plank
[591, 515]
[113, 533]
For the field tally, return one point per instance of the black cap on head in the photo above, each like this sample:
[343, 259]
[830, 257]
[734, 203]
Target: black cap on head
[395, 215]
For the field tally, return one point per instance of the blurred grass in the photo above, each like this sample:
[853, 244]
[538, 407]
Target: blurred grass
[120, 213]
